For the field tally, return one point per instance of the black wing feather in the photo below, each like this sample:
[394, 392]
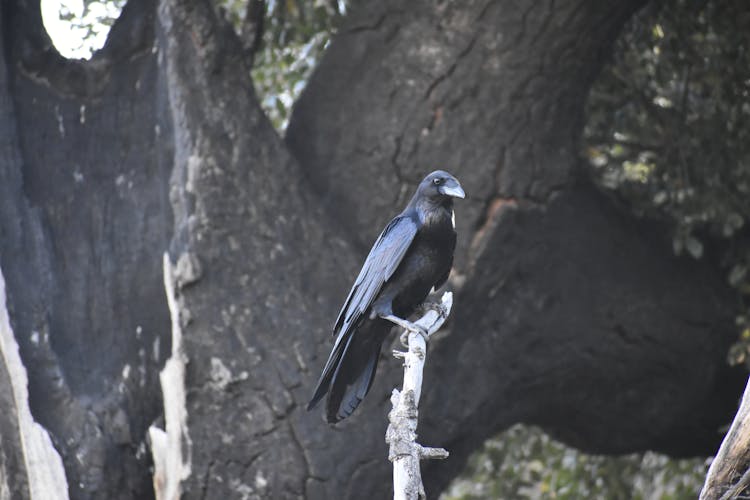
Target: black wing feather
[382, 261]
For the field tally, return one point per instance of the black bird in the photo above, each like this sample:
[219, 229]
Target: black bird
[413, 254]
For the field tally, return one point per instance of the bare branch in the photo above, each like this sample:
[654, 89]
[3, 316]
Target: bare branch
[405, 452]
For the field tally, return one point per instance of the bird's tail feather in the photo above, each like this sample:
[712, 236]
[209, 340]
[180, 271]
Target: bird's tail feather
[353, 378]
[331, 367]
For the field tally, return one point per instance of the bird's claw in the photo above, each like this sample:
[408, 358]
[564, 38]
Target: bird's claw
[439, 308]
[423, 332]
[414, 328]
[408, 326]
[404, 338]
[431, 305]
[428, 305]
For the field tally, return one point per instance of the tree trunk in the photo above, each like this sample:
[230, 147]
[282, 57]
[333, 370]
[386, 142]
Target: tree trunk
[84, 218]
[575, 314]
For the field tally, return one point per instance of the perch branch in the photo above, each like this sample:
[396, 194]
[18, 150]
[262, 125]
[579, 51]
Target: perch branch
[405, 452]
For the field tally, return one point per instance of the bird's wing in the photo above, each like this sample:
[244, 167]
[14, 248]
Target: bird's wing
[381, 263]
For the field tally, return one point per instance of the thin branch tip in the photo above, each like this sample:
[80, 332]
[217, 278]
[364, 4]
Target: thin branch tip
[425, 452]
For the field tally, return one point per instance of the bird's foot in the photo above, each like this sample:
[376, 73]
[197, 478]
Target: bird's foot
[429, 305]
[408, 326]
[438, 307]
[404, 338]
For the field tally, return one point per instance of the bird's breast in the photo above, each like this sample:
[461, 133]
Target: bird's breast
[428, 260]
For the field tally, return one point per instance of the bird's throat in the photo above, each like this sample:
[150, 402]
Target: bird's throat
[436, 213]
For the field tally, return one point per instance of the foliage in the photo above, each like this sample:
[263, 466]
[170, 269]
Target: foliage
[525, 463]
[668, 130]
[79, 28]
[294, 35]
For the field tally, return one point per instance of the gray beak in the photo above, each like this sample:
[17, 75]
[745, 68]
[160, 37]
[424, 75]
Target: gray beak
[453, 190]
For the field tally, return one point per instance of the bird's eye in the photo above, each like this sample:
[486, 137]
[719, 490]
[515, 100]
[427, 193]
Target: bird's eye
[437, 181]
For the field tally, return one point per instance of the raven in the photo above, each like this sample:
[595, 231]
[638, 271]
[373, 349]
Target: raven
[413, 254]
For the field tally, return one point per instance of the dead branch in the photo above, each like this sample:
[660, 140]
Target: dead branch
[405, 452]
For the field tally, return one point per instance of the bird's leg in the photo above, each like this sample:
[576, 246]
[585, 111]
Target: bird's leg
[406, 325]
[382, 308]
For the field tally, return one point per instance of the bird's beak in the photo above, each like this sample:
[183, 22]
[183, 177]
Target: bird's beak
[453, 190]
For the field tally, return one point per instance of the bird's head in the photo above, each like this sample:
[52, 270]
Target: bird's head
[439, 186]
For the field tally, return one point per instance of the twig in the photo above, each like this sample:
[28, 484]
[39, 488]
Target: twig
[405, 452]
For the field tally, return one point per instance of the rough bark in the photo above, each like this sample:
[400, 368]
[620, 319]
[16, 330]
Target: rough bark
[250, 310]
[578, 316]
[84, 218]
[584, 321]
[729, 474]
